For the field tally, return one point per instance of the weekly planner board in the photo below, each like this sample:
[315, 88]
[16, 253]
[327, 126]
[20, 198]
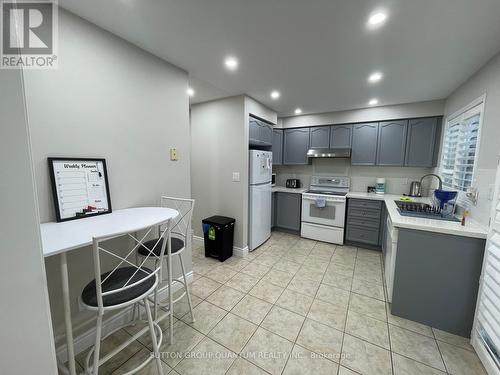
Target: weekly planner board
[80, 187]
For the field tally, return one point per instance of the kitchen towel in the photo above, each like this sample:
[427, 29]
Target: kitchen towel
[321, 202]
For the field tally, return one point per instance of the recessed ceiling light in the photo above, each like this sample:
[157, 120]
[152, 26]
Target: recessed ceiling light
[377, 19]
[373, 101]
[190, 91]
[275, 94]
[231, 63]
[298, 111]
[375, 77]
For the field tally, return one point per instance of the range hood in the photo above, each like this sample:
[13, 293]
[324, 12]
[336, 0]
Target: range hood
[329, 153]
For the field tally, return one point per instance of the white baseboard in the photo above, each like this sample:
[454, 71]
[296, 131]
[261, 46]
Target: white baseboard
[237, 251]
[87, 339]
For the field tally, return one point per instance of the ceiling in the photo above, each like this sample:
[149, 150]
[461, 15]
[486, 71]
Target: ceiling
[317, 53]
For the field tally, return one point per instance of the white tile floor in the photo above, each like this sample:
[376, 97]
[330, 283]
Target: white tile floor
[296, 306]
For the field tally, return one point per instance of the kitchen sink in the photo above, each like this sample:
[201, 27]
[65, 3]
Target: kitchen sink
[422, 210]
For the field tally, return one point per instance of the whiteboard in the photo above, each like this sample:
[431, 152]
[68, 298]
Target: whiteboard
[79, 187]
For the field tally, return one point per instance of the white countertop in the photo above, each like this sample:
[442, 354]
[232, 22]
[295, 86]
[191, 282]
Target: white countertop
[283, 189]
[69, 235]
[471, 228]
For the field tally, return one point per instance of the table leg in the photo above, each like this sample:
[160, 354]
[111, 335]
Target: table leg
[170, 299]
[67, 314]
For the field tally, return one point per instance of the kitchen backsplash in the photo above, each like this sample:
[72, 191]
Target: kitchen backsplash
[397, 179]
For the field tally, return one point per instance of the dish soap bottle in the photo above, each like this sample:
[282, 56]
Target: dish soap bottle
[464, 215]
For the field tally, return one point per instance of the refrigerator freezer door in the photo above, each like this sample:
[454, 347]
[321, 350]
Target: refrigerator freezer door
[260, 170]
[260, 215]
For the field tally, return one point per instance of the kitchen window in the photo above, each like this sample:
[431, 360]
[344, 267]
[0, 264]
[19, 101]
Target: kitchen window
[461, 147]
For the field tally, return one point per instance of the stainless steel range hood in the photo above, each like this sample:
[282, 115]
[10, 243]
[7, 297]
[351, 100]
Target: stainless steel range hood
[329, 153]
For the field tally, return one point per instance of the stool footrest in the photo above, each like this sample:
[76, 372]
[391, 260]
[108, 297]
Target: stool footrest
[130, 341]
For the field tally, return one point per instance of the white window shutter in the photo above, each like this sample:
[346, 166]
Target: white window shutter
[486, 331]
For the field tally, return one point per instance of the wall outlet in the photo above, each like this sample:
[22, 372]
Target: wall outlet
[236, 176]
[173, 154]
[405, 181]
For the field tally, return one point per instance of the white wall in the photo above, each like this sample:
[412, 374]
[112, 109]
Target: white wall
[26, 339]
[390, 112]
[218, 150]
[219, 143]
[485, 81]
[113, 100]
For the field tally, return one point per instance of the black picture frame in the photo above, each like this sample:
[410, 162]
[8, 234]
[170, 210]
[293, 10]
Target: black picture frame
[52, 161]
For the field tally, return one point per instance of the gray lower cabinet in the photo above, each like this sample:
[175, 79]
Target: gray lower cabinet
[391, 143]
[319, 137]
[273, 210]
[295, 146]
[436, 279]
[260, 133]
[288, 211]
[364, 144]
[340, 136]
[422, 142]
[383, 230]
[363, 224]
[277, 146]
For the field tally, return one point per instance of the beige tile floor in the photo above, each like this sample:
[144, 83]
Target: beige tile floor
[297, 307]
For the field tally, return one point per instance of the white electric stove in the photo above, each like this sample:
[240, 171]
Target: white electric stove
[323, 209]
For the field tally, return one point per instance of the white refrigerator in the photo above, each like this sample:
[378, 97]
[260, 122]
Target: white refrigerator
[259, 197]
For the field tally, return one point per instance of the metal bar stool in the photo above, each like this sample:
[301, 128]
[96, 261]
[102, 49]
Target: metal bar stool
[178, 239]
[125, 285]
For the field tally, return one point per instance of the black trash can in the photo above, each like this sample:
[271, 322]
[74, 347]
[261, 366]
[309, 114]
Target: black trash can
[218, 232]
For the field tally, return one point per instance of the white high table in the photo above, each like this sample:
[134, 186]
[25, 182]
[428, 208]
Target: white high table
[60, 238]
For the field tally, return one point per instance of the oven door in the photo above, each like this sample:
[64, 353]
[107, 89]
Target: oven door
[333, 214]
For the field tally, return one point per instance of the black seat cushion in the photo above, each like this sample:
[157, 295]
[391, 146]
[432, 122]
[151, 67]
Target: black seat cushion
[116, 281]
[177, 244]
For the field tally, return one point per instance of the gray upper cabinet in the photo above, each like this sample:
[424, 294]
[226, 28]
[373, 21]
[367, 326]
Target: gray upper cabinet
[340, 136]
[277, 146]
[364, 144]
[391, 143]
[319, 137]
[260, 133]
[254, 131]
[295, 146]
[421, 147]
[266, 134]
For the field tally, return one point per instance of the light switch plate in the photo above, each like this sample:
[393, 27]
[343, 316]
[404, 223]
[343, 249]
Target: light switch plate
[491, 191]
[236, 176]
[173, 154]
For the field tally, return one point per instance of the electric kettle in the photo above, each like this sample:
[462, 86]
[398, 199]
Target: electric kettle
[415, 189]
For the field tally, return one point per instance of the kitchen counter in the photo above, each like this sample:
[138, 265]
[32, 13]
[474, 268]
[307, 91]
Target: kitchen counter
[471, 228]
[283, 189]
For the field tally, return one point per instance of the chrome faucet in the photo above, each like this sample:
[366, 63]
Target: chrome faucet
[433, 175]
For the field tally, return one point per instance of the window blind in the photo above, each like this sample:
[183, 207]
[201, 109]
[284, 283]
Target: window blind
[459, 150]
[486, 333]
